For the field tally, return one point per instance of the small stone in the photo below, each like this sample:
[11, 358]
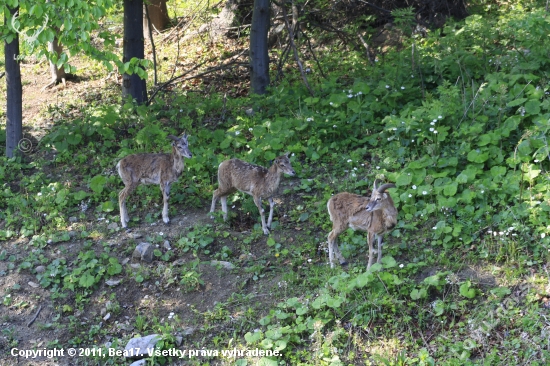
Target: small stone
[107, 316]
[167, 245]
[112, 226]
[141, 362]
[137, 347]
[188, 331]
[134, 235]
[112, 282]
[33, 284]
[40, 269]
[224, 264]
[73, 219]
[144, 251]
[179, 340]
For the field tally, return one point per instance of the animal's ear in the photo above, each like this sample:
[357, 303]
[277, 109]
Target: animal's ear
[385, 195]
[287, 154]
[184, 136]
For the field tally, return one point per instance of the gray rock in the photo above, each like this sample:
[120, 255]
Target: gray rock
[167, 245]
[40, 269]
[137, 347]
[144, 251]
[112, 226]
[112, 282]
[224, 264]
[141, 362]
[73, 219]
[188, 331]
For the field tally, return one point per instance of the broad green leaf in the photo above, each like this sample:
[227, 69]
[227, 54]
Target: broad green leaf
[403, 179]
[476, 156]
[532, 107]
[97, 183]
[252, 337]
[86, 280]
[516, 102]
[418, 294]
[450, 189]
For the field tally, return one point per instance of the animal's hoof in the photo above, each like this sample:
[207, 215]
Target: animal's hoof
[128, 230]
[344, 264]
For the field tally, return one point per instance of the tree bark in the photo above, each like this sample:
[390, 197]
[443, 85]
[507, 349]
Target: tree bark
[58, 74]
[14, 98]
[259, 57]
[133, 85]
[158, 14]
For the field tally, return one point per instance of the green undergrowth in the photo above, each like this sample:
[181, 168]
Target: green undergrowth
[461, 129]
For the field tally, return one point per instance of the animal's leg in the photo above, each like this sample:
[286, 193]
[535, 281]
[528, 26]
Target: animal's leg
[214, 200]
[122, 196]
[223, 200]
[165, 189]
[370, 238]
[379, 237]
[271, 205]
[258, 202]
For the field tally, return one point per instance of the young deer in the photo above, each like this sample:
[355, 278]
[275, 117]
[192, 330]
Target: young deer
[255, 180]
[148, 168]
[376, 216]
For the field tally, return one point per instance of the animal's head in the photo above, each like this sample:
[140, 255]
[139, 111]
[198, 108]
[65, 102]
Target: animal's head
[283, 163]
[379, 197]
[181, 145]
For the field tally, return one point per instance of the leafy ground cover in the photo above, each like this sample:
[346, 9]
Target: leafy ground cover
[460, 127]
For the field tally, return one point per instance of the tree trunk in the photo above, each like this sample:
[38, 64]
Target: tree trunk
[14, 98]
[57, 75]
[158, 14]
[133, 85]
[259, 57]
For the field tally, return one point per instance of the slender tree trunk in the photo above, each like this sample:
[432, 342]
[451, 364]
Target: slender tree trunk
[14, 98]
[56, 73]
[158, 14]
[133, 85]
[259, 57]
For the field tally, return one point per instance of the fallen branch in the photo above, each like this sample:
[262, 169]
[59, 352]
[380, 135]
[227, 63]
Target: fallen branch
[366, 45]
[295, 51]
[35, 316]
[183, 78]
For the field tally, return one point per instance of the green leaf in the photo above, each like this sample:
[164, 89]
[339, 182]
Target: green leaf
[501, 291]
[252, 337]
[419, 294]
[516, 102]
[80, 195]
[86, 280]
[532, 107]
[388, 262]
[450, 189]
[97, 183]
[403, 179]
[477, 156]
[466, 290]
